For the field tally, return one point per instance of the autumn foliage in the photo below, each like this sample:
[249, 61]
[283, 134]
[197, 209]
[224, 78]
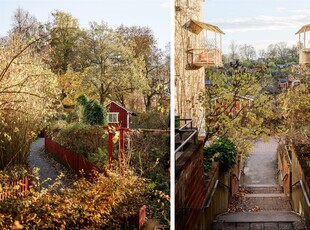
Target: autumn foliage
[103, 204]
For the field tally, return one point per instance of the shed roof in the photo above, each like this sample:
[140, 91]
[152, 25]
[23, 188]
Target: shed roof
[128, 111]
[197, 26]
[303, 29]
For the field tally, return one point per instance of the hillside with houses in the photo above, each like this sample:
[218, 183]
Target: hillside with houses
[242, 136]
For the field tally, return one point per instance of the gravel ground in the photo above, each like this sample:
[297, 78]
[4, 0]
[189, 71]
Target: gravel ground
[49, 168]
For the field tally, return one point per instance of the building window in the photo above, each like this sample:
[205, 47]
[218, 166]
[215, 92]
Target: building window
[112, 117]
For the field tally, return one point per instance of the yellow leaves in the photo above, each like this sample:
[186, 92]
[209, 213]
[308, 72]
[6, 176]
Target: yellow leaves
[215, 156]
[7, 136]
[17, 225]
[115, 137]
[71, 85]
[87, 205]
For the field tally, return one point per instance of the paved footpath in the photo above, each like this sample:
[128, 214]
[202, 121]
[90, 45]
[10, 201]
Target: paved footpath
[261, 167]
[48, 167]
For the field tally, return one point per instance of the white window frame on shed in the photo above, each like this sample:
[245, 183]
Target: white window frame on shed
[113, 113]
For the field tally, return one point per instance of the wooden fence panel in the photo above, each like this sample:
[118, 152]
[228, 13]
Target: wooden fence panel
[20, 192]
[71, 159]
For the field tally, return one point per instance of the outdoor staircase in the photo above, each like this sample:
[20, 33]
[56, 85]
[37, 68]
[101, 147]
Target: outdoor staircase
[260, 206]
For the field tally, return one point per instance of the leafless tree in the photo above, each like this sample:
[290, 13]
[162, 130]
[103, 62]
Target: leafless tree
[233, 49]
[247, 51]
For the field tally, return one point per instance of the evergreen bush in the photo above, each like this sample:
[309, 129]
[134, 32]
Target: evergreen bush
[93, 113]
[222, 150]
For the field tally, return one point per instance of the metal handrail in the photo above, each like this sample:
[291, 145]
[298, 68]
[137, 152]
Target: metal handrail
[186, 123]
[282, 177]
[184, 142]
[288, 156]
[213, 191]
[303, 190]
[239, 175]
[285, 176]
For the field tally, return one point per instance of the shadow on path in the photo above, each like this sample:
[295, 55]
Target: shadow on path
[49, 168]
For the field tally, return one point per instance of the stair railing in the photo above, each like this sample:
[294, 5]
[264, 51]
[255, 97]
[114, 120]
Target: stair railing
[241, 172]
[217, 182]
[303, 190]
[283, 178]
[187, 127]
[288, 155]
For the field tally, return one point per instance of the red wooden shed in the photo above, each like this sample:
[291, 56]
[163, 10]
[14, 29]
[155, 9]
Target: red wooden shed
[118, 115]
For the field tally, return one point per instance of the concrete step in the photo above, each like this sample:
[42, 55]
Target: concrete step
[264, 189]
[268, 202]
[260, 198]
[258, 226]
[267, 195]
[259, 220]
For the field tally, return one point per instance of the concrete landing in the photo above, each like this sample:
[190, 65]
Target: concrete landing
[267, 220]
[263, 216]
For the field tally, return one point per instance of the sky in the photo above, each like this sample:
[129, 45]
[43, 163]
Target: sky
[152, 13]
[257, 22]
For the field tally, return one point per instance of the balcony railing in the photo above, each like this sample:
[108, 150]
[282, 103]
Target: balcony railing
[205, 57]
[304, 56]
[304, 50]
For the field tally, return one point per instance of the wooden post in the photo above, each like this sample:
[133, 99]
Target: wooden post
[215, 43]
[110, 149]
[121, 150]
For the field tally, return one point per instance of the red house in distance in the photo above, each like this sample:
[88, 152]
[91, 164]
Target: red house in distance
[118, 115]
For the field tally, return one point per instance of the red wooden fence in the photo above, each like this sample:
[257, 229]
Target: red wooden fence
[21, 191]
[71, 159]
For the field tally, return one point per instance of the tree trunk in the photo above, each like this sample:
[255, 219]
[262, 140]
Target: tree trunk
[148, 102]
[102, 94]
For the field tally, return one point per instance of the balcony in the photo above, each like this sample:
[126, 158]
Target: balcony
[304, 56]
[205, 57]
[204, 45]
[303, 45]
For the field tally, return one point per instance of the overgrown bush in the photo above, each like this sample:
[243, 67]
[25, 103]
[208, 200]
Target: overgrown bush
[55, 127]
[151, 120]
[150, 156]
[81, 138]
[104, 204]
[99, 158]
[16, 135]
[72, 117]
[222, 150]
